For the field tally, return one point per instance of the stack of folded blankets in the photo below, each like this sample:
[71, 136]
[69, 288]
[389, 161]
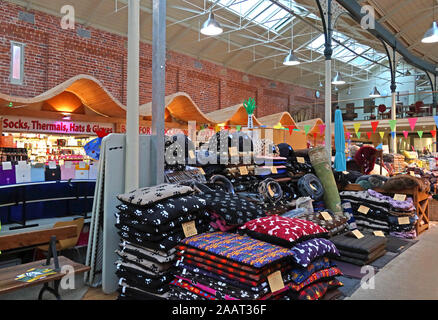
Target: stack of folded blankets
[336, 224]
[229, 211]
[225, 266]
[312, 272]
[361, 251]
[151, 222]
[373, 211]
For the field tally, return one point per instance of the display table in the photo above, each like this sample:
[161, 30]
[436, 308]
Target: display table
[40, 192]
[421, 202]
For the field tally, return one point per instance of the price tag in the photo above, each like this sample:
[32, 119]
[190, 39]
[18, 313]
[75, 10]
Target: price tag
[6, 165]
[412, 173]
[22, 163]
[301, 160]
[202, 171]
[271, 192]
[357, 234]
[82, 165]
[189, 229]
[313, 187]
[275, 281]
[243, 171]
[233, 152]
[400, 197]
[379, 234]
[403, 220]
[274, 170]
[363, 209]
[52, 165]
[345, 172]
[326, 216]
[191, 154]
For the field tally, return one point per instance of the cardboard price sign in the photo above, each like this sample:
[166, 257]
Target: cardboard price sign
[233, 152]
[275, 281]
[379, 234]
[191, 154]
[271, 192]
[357, 234]
[400, 197]
[301, 160]
[243, 171]
[403, 220]
[363, 209]
[189, 229]
[202, 171]
[326, 216]
[274, 170]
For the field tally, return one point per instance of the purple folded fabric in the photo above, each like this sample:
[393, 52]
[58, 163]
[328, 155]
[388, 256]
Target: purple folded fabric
[307, 251]
[405, 235]
[406, 205]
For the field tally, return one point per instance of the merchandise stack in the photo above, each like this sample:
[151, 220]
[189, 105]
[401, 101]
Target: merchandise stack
[373, 211]
[360, 250]
[151, 222]
[225, 266]
[312, 272]
[334, 224]
[396, 161]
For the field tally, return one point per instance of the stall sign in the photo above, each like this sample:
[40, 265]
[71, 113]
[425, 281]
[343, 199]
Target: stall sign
[23, 124]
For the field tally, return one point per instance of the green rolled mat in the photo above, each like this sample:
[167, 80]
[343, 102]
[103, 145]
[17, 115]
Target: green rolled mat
[321, 162]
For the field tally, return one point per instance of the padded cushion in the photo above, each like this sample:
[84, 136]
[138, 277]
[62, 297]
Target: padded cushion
[367, 244]
[282, 230]
[306, 252]
[150, 195]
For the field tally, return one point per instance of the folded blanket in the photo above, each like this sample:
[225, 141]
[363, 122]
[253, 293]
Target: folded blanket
[367, 244]
[377, 254]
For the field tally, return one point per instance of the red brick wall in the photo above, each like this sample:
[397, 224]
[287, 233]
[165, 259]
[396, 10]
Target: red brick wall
[53, 55]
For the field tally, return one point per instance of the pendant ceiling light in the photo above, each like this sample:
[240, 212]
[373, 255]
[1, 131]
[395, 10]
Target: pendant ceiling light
[291, 59]
[375, 93]
[211, 27]
[338, 80]
[431, 35]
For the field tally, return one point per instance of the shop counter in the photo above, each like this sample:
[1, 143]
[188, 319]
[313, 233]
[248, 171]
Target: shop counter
[48, 199]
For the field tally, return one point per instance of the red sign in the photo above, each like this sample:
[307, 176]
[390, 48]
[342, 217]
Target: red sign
[22, 124]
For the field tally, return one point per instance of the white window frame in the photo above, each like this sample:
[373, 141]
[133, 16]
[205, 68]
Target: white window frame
[11, 78]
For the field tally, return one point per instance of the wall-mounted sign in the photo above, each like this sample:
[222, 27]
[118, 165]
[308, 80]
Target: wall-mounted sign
[23, 124]
[148, 130]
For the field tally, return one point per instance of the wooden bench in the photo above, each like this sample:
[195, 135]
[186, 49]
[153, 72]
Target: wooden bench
[34, 238]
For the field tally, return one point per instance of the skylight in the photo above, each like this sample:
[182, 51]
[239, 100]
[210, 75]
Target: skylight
[342, 54]
[264, 12]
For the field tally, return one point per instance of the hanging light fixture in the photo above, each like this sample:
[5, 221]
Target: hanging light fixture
[291, 59]
[375, 93]
[211, 27]
[338, 80]
[431, 35]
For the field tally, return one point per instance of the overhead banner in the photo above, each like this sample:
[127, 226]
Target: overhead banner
[31, 125]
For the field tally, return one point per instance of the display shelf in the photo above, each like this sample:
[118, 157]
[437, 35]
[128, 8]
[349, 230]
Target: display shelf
[420, 198]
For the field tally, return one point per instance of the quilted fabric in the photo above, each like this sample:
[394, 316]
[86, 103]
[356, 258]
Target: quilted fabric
[299, 275]
[166, 211]
[187, 286]
[282, 230]
[150, 195]
[306, 252]
[317, 276]
[330, 225]
[318, 290]
[239, 248]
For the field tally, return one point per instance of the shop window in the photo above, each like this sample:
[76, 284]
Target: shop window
[17, 62]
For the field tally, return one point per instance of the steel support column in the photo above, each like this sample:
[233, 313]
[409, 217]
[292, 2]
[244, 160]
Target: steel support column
[132, 115]
[159, 81]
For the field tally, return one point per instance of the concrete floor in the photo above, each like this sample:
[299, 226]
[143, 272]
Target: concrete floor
[413, 275]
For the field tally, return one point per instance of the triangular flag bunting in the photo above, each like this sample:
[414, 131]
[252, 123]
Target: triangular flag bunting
[291, 128]
[238, 128]
[356, 127]
[322, 129]
[382, 134]
[374, 125]
[436, 120]
[405, 133]
[315, 134]
[380, 146]
[369, 135]
[392, 124]
[433, 133]
[412, 123]
[348, 134]
[393, 134]
[413, 149]
[420, 134]
[358, 134]
[307, 128]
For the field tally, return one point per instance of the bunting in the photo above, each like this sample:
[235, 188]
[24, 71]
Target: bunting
[420, 134]
[405, 133]
[369, 135]
[433, 133]
[382, 134]
[356, 127]
[358, 134]
[307, 128]
[392, 124]
[393, 134]
[436, 120]
[322, 129]
[238, 128]
[374, 125]
[412, 123]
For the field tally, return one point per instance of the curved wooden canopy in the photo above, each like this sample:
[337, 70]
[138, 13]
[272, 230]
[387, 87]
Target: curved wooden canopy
[181, 107]
[283, 118]
[234, 115]
[88, 89]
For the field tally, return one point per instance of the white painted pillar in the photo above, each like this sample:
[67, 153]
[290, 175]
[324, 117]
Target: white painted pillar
[132, 115]
[394, 117]
[328, 106]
